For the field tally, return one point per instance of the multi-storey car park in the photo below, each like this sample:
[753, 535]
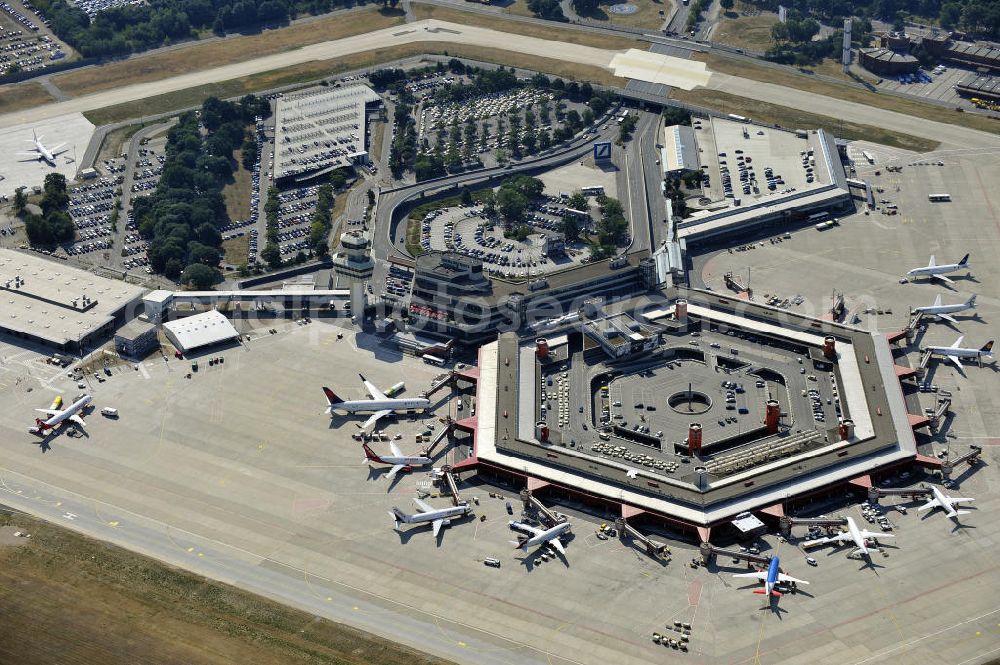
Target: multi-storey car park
[775, 407]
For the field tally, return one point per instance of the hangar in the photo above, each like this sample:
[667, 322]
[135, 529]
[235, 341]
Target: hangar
[200, 330]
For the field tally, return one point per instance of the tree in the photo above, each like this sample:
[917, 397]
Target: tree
[577, 201]
[271, 255]
[727, 4]
[172, 268]
[511, 204]
[20, 200]
[199, 276]
[466, 195]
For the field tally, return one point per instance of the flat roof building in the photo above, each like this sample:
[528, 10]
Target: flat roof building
[136, 339]
[680, 150]
[200, 330]
[887, 62]
[319, 130]
[980, 86]
[52, 303]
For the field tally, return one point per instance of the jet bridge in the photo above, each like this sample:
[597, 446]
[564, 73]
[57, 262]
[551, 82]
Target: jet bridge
[439, 437]
[449, 481]
[876, 493]
[786, 523]
[708, 550]
[548, 516]
[447, 379]
[971, 457]
[653, 548]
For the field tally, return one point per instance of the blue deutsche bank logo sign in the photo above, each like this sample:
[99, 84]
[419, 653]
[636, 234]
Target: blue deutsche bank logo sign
[602, 151]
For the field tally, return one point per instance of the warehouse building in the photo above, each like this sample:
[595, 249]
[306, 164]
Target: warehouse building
[48, 302]
[680, 150]
[320, 130]
[200, 330]
[980, 86]
[136, 339]
[887, 62]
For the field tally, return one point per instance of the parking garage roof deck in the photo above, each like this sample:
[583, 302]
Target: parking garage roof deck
[698, 498]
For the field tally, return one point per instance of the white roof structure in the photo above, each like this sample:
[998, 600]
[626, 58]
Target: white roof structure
[55, 303]
[200, 330]
[680, 150]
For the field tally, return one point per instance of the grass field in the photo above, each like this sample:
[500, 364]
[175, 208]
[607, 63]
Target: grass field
[746, 32]
[518, 7]
[22, 96]
[235, 250]
[115, 140]
[647, 16]
[551, 32]
[70, 599]
[237, 193]
[311, 71]
[222, 52]
[789, 117]
[782, 76]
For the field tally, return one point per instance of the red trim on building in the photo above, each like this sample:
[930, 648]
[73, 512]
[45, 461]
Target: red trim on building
[893, 337]
[905, 372]
[918, 420]
[704, 533]
[631, 511]
[535, 484]
[928, 462]
[777, 510]
[861, 481]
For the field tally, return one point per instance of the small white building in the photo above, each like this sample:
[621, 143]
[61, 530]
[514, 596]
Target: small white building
[200, 330]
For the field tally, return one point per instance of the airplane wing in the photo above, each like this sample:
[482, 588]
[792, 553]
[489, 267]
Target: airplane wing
[958, 342]
[54, 150]
[760, 575]
[872, 534]
[374, 419]
[49, 412]
[422, 505]
[437, 526]
[961, 499]
[956, 362]
[372, 390]
[841, 537]
[948, 317]
[78, 420]
[395, 449]
[943, 278]
[788, 578]
[558, 545]
[933, 503]
[394, 470]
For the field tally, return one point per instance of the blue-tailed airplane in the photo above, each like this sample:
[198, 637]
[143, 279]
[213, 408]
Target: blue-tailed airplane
[771, 578]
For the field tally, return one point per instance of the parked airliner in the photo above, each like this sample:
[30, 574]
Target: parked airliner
[379, 405]
[771, 578]
[41, 152]
[541, 537]
[946, 503]
[57, 416]
[956, 352]
[398, 460]
[935, 271]
[945, 311]
[855, 535]
[438, 517]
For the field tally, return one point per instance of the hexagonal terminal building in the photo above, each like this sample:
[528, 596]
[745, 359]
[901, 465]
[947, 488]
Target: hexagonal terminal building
[354, 262]
[690, 408]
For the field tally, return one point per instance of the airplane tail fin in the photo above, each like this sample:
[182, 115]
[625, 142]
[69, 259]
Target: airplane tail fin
[971, 302]
[988, 347]
[370, 454]
[397, 516]
[519, 544]
[331, 398]
[964, 262]
[42, 427]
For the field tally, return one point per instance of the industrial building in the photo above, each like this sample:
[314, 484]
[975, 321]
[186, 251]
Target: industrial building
[715, 474]
[200, 330]
[886, 62]
[321, 129]
[967, 53]
[136, 339]
[981, 86]
[680, 150]
[48, 302]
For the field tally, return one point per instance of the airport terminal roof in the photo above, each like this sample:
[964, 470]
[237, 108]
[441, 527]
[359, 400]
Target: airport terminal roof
[320, 129]
[54, 302]
[200, 330]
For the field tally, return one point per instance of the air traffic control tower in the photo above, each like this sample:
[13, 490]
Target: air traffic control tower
[354, 262]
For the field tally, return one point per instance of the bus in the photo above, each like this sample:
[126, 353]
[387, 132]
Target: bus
[623, 117]
[433, 360]
[738, 118]
[868, 156]
[592, 190]
[937, 198]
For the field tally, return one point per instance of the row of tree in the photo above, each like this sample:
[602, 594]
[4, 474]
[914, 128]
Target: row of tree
[182, 217]
[54, 225]
[138, 27]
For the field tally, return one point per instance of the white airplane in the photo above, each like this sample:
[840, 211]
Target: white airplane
[855, 535]
[771, 578]
[56, 416]
[935, 271]
[541, 537]
[956, 352]
[398, 460]
[41, 152]
[946, 503]
[944, 311]
[379, 405]
[438, 517]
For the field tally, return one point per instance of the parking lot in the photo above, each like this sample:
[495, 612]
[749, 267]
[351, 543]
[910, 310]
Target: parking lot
[297, 207]
[143, 175]
[91, 7]
[241, 227]
[25, 40]
[938, 84]
[90, 207]
[469, 232]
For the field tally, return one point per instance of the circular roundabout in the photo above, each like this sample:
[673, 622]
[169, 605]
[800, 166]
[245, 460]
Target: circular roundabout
[690, 402]
[623, 8]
